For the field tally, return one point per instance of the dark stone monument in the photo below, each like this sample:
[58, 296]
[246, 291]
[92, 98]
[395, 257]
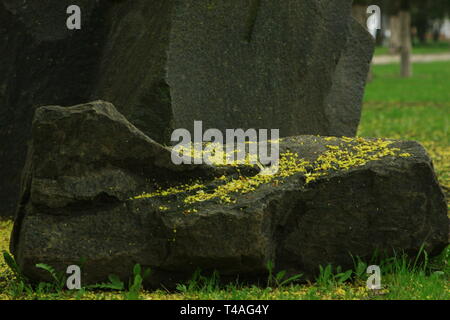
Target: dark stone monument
[299, 66]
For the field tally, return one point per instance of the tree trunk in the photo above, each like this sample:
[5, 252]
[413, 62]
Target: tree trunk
[406, 46]
[395, 41]
[437, 31]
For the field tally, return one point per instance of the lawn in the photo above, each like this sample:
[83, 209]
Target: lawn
[428, 48]
[415, 109]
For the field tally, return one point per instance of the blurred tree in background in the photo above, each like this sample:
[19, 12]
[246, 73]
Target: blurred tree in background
[428, 17]
[425, 17]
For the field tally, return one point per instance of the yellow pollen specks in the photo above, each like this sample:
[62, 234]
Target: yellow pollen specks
[350, 153]
[170, 191]
[189, 211]
[217, 154]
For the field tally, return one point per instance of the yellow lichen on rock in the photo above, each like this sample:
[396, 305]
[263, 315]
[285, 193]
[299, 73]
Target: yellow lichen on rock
[356, 152]
[216, 154]
[170, 191]
[349, 153]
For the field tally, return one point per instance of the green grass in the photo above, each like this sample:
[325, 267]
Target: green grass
[417, 108]
[402, 278]
[429, 85]
[429, 48]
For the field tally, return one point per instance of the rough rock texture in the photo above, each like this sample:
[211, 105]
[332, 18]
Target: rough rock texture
[120, 161]
[87, 168]
[299, 66]
[346, 94]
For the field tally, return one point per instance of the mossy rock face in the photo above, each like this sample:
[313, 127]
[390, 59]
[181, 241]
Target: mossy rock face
[89, 195]
[299, 66]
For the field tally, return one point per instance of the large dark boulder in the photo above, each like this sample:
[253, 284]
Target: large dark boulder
[93, 190]
[299, 66]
